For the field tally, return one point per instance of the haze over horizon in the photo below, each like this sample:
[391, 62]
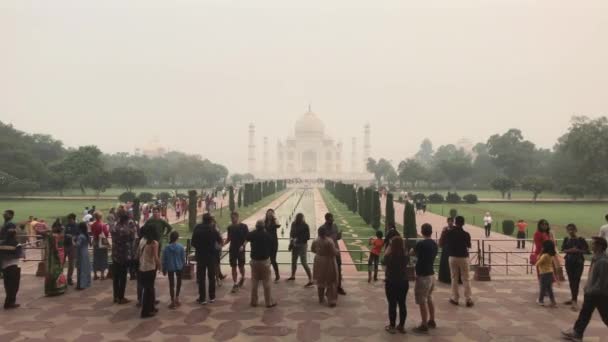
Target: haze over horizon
[117, 74]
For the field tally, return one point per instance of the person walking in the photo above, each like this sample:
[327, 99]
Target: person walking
[487, 223]
[396, 285]
[459, 242]
[174, 258]
[149, 264]
[83, 264]
[70, 234]
[444, 259]
[100, 233]
[376, 243]
[325, 268]
[575, 248]
[160, 228]
[596, 291]
[544, 267]
[261, 249]
[542, 234]
[426, 252]
[10, 253]
[237, 234]
[335, 234]
[521, 233]
[205, 239]
[299, 235]
[271, 226]
[123, 234]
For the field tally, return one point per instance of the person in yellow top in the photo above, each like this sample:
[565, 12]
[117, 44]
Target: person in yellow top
[544, 265]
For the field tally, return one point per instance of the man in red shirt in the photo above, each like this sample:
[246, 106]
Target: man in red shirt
[521, 234]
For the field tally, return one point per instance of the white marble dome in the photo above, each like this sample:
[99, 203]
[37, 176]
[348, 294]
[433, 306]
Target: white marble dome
[309, 126]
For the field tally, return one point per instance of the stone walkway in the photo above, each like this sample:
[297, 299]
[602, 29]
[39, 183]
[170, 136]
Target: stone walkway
[504, 311]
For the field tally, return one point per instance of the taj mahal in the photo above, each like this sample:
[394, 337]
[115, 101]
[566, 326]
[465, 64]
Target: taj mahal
[309, 153]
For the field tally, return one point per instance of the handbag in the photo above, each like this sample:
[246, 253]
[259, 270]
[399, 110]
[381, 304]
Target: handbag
[533, 257]
[103, 241]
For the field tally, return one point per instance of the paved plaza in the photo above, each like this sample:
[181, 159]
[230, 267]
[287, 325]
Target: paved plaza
[504, 311]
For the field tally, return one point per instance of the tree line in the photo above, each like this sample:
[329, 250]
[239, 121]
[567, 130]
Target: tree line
[32, 162]
[577, 165]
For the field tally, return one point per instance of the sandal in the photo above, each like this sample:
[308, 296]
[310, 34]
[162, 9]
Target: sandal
[390, 329]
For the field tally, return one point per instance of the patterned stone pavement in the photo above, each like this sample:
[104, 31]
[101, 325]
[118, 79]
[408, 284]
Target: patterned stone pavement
[504, 311]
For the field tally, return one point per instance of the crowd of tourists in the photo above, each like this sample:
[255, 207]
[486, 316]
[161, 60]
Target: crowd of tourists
[138, 252]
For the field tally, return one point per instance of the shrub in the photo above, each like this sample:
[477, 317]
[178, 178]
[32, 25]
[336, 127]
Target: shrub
[508, 227]
[419, 197]
[164, 196]
[453, 213]
[470, 198]
[400, 199]
[452, 197]
[435, 198]
[128, 196]
[146, 196]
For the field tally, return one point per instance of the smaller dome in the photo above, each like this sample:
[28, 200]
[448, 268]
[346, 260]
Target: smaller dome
[309, 125]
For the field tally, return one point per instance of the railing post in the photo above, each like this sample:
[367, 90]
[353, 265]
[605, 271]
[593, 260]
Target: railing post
[482, 271]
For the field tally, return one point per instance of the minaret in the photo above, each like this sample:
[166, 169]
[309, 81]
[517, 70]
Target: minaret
[354, 159]
[265, 156]
[251, 160]
[366, 146]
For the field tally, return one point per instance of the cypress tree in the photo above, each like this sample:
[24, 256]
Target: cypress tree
[191, 209]
[353, 199]
[390, 211]
[231, 203]
[409, 224]
[376, 211]
[239, 197]
[367, 209]
[361, 201]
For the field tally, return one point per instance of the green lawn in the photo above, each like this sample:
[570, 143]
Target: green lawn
[587, 217]
[223, 216]
[355, 232]
[51, 209]
[483, 194]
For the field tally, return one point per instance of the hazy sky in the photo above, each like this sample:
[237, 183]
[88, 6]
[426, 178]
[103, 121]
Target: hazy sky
[195, 73]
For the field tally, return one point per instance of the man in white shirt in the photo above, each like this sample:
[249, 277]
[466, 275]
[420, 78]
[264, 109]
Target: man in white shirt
[487, 224]
[604, 229]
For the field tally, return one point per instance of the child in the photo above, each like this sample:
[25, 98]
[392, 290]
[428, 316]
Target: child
[376, 244]
[10, 253]
[174, 257]
[426, 252]
[544, 265]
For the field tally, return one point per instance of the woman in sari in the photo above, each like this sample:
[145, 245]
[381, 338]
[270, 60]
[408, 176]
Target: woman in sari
[55, 281]
[101, 233]
[325, 268]
[83, 264]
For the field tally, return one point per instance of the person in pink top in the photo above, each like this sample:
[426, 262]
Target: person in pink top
[100, 233]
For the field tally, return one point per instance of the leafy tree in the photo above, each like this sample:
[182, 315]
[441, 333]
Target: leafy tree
[454, 163]
[597, 183]
[98, 180]
[536, 185]
[129, 177]
[82, 161]
[381, 169]
[5, 180]
[511, 154]
[60, 176]
[575, 191]
[425, 155]
[23, 186]
[503, 184]
[146, 197]
[484, 170]
[412, 171]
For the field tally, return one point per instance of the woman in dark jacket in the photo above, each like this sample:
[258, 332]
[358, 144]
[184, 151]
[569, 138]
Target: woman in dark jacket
[271, 226]
[396, 286]
[299, 236]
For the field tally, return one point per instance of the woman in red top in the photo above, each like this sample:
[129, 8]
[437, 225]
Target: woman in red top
[99, 230]
[374, 255]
